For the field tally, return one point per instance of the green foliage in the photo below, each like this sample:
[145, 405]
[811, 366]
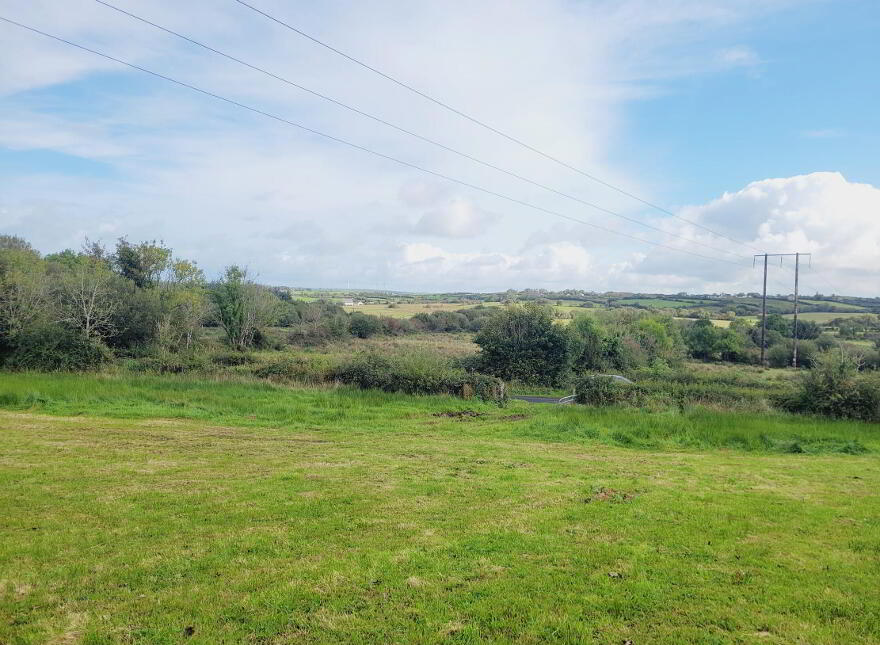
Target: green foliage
[835, 388]
[600, 390]
[56, 348]
[232, 359]
[589, 344]
[171, 364]
[417, 373]
[244, 309]
[310, 370]
[142, 263]
[521, 343]
[364, 325]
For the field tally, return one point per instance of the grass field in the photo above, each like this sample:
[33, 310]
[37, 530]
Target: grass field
[661, 303]
[164, 510]
[408, 310]
[823, 317]
[835, 306]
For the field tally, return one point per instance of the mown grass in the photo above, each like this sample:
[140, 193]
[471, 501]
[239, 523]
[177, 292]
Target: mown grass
[263, 404]
[167, 509]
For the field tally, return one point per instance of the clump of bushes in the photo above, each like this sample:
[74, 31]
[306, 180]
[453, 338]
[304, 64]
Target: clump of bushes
[835, 388]
[232, 358]
[171, 364]
[599, 390]
[300, 369]
[55, 348]
[417, 374]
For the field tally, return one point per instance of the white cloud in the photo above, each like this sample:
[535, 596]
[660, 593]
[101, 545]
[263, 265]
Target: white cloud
[821, 213]
[458, 218]
[223, 186]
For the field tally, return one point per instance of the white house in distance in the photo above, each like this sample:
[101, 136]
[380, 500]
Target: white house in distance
[350, 302]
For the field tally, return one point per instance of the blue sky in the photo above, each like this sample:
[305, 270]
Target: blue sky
[758, 120]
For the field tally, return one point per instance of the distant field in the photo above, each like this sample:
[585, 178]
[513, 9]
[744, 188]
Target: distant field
[835, 306]
[409, 310]
[170, 510]
[717, 323]
[823, 316]
[660, 303]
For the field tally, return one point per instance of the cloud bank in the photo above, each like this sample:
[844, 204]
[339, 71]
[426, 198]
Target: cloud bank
[98, 151]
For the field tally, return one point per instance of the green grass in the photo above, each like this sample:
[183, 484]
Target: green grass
[408, 310]
[163, 510]
[824, 317]
[662, 303]
[835, 306]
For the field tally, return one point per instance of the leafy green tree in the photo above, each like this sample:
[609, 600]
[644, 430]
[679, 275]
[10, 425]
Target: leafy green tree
[702, 339]
[244, 309]
[364, 325]
[521, 342]
[588, 344]
[24, 289]
[141, 263]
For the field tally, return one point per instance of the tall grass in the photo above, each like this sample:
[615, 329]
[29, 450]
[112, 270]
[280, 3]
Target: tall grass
[260, 403]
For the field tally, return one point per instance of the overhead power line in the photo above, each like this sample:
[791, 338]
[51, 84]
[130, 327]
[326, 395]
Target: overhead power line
[415, 135]
[356, 146]
[483, 124]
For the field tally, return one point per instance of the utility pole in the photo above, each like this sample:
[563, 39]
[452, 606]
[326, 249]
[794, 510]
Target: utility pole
[794, 334]
[797, 258]
[764, 314]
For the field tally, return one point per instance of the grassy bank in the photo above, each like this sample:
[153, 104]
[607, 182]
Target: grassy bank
[258, 403]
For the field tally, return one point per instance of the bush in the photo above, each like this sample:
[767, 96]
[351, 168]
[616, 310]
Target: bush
[300, 369]
[55, 348]
[232, 358]
[779, 355]
[417, 374]
[522, 343]
[364, 325]
[599, 390]
[835, 388]
[170, 364]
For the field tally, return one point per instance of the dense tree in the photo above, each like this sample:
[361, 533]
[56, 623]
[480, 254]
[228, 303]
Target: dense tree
[141, 263]
[521, 342]
[364, 325]
[244, 309]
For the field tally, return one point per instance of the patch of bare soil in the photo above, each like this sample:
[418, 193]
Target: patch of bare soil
[459, 414]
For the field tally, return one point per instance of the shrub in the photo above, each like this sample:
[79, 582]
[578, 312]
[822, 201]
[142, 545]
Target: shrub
[779, 355]
[597, 389]
[417, 374]
[835, 388]
[170, 364]
[299, 369]
[522, 343]
[364, 325]
[232, 358]
[55, 348]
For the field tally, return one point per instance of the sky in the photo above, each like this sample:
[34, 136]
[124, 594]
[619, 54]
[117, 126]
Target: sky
[748, 126]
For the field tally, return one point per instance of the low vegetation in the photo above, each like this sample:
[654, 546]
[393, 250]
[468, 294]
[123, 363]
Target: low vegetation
[163, 509]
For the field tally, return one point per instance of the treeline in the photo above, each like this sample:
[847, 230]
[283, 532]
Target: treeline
[320, 321]
[78, 309]
[522, 343]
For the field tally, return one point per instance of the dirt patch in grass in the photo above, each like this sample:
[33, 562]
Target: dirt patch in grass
[611, 495]
[459, 414]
